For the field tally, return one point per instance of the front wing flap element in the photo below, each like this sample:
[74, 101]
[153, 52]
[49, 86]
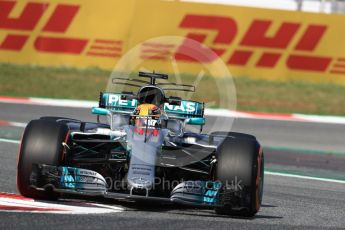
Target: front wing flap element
[74, 179]
[197, 192]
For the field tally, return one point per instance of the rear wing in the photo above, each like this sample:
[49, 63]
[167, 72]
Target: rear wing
[117, 102]
[187, 109]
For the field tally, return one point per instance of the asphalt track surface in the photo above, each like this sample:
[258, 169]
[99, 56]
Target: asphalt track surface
[289, 203]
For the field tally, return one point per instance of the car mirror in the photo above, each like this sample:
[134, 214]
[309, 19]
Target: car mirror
[100, 111]
[195, 121]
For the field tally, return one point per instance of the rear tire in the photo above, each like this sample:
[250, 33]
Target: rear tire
[219, 136]
[41, 144]
[59, 119]
[240, 167]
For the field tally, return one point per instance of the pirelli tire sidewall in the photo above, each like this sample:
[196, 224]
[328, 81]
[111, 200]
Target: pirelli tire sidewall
[240, 163]
[41, 144]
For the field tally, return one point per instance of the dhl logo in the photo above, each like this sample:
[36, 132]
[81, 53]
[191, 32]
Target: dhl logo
[255, 37]
[57, 23]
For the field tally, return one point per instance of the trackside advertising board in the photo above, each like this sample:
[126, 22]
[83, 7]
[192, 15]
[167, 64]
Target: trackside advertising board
[258, 43]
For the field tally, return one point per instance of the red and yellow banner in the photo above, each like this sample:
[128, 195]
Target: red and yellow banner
[258, 43]
[62, 32]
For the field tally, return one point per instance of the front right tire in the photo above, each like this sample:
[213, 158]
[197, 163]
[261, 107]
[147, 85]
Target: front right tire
[240, 169]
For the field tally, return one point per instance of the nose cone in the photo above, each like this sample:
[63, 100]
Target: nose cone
[143, 155]
[140, 183]
[141, 172]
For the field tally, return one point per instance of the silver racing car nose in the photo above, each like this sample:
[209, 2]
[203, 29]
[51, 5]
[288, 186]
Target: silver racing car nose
[144, 148]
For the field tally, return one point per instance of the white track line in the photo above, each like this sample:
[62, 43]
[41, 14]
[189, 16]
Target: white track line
[16, 124]
[9, 141]
[304, 177]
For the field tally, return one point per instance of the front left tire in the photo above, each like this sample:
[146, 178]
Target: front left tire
[41, 144]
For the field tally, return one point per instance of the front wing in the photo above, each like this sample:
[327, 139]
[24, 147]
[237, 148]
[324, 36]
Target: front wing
[78, 181]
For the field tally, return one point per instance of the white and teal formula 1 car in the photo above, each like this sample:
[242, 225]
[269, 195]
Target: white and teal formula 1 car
[143, 151]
